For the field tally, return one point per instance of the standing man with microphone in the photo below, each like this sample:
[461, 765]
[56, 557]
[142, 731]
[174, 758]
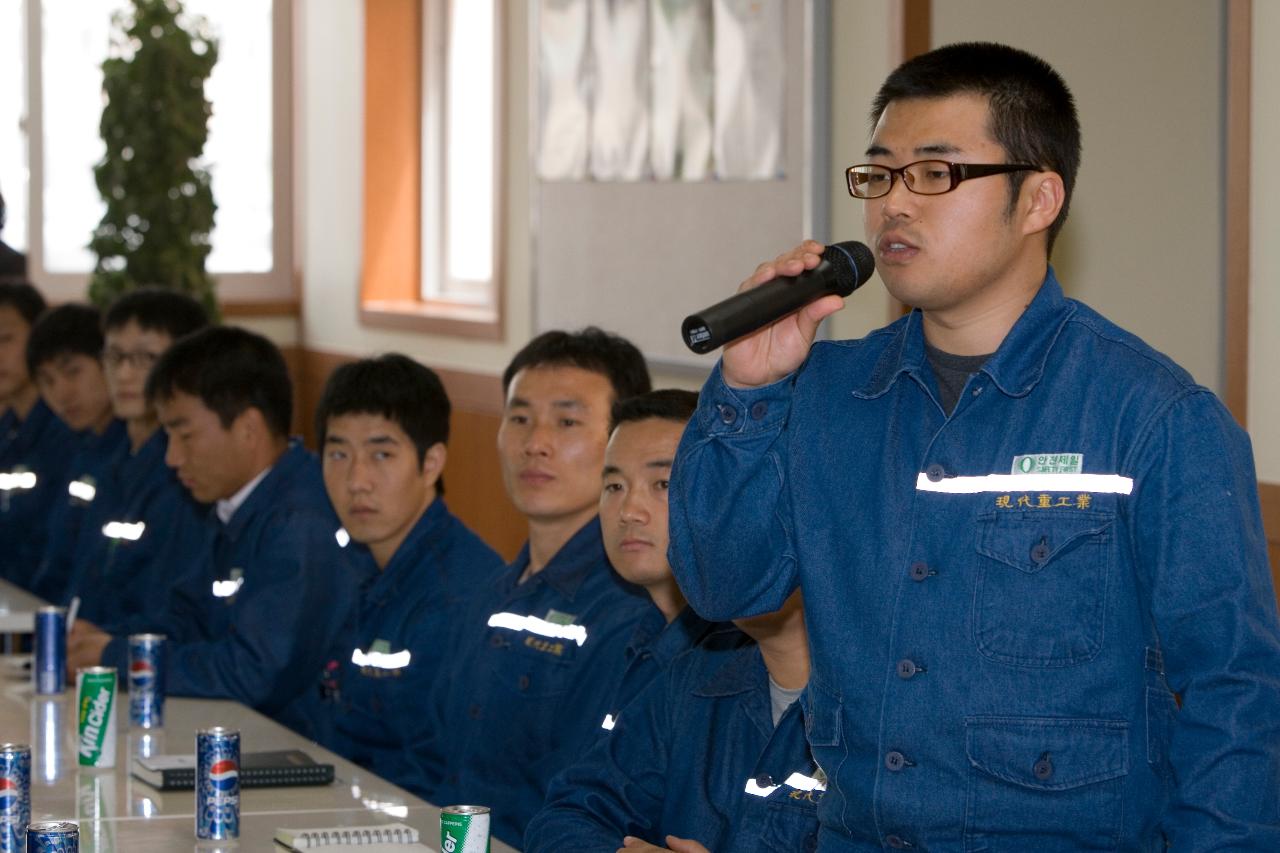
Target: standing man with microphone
[1035, 576]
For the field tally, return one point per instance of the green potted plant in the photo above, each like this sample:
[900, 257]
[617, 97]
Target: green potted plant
[155, 123]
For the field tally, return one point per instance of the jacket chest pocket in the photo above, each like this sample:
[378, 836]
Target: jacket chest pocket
[1041, 588]
[1044, 784]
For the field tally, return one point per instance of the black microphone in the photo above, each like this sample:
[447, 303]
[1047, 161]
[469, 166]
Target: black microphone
[844, 268]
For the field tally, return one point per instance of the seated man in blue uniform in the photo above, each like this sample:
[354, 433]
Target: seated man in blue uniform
[141, 525]
[64, 354]
[35, 446]
[1019, 529]
[711, 756]
[633, 520]
[383, 424]
[534, 671]
[253, 620]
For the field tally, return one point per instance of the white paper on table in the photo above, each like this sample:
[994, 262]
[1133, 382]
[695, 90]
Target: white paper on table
[681, 86]
[750, 82]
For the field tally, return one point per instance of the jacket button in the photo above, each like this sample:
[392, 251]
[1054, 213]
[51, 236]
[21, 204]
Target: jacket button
[907, 668]
[764, 780]
[896, 843]
[935, 472]
[495, 640]
[919, 571]
[474, 712]
[759, 410]
[1043, 768]
[895, 761]
[524, 682]
[728, 414]
[1040, 551]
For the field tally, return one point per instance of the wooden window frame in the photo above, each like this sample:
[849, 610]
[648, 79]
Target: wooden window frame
[391, 267]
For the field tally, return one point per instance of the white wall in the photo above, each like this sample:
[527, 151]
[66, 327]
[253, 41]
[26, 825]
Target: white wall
[1264, 255]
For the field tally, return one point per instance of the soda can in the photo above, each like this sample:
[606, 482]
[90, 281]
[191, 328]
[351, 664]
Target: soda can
[53, 836]
[146, 684]
[217, 784]
[15, 796]
[464, 829]
[96, 702]
[49, 669]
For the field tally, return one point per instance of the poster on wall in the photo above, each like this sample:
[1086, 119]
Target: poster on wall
[632, 90]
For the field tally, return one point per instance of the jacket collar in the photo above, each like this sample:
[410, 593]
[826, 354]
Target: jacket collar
[1015, 368]
[578, 558]
[663, 641]
[264, 494]
[406, 563]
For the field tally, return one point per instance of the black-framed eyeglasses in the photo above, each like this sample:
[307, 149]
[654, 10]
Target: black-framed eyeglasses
[924, 177]
[138, 359]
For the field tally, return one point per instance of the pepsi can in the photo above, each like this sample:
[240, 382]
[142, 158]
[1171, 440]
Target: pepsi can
[49, 669]
[15, 795]
[53, 837]
[217, 784]
[146, 687]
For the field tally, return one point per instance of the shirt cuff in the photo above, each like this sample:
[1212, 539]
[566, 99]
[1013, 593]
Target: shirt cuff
[743, 411]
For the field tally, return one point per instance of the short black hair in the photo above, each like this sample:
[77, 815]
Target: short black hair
[1033, 114]
[230, 370]
[670, 404]
[22, 297]
[395, 387]
[71, 329]
[610, 355]
[156, 309]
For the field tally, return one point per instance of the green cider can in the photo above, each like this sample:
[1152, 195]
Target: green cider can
[464, 829]
[96, 702]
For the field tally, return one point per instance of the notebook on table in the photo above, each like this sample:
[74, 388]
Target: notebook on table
[281, 768]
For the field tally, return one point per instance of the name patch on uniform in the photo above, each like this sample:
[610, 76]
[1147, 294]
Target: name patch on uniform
[380, 660]
[229, 587]
[1048, 463]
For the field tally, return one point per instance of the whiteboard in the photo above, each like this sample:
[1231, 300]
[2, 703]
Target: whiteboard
[636, 258]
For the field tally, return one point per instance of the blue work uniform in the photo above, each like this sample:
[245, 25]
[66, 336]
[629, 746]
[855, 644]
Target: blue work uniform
[393, 648]
[654, 644]
[1003, 600]
[35, 453]
[255, 620]
[696, 756]
[139, 541]
[86, 483]
[532, 678]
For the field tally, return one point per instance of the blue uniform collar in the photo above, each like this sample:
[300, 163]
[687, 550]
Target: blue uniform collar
[264, 496]
[1016, 366]
[406, 562]
[576, 559]
[26, 432]
[663, 641]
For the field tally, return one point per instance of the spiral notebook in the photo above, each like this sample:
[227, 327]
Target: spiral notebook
[257, 770]
[383, 838]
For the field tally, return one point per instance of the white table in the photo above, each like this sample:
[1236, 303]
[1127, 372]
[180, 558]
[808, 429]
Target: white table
[119, 813]
[18, 609]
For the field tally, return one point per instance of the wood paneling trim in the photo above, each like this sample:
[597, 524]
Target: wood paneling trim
[280, 308]
[1269, 497]
[1236, 235]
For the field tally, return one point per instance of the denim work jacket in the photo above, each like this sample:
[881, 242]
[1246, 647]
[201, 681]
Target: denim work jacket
[35, 457]
[532, 677]
[1003, 602]
[695, 756]
[391, 653]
